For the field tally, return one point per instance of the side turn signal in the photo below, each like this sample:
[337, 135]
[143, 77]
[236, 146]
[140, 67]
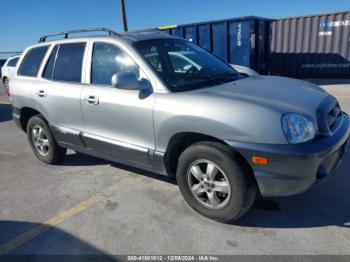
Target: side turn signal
[258, 160]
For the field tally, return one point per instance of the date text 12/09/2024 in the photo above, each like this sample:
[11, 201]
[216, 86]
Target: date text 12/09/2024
[174, 258]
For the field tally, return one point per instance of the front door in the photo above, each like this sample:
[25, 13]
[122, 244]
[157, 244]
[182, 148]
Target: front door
[118, 123]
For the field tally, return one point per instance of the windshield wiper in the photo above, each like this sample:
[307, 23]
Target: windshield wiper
[211, 79]
[225, 75]
[190, 76]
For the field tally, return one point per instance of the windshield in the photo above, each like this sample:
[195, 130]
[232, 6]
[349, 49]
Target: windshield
[185, 66]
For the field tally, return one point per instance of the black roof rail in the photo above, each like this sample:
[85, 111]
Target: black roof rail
[109, 32]
[148, 31]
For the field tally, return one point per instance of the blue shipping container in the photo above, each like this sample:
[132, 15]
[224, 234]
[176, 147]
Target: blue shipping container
[242, 41]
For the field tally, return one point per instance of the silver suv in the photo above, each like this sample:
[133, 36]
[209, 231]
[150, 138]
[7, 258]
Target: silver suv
[165, 105]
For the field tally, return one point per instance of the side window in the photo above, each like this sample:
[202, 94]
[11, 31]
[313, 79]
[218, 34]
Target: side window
[108, 60]
[48, 72]
[153, 58]
[13, 62]
[152, 55]
[32, 61]
[69, 63]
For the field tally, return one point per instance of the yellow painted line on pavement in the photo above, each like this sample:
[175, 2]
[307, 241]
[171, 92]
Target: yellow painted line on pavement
[5, 153]
[32, 233]
[48, 224]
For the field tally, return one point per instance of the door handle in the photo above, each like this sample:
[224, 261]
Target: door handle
[41, 93]
[93, 100]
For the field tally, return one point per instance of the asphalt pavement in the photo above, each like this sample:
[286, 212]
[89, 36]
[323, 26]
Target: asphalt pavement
[90, 206]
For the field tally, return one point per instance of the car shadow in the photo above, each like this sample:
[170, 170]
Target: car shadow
[326, 205]
[27, 238]
[5, 112]
[166, 179]
[79, 159]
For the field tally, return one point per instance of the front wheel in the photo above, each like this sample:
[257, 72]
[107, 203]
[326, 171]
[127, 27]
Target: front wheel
[214, 181]
[42, 142]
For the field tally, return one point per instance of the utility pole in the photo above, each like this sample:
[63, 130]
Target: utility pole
[123, 14]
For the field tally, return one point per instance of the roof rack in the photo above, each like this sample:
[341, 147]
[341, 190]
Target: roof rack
[152, 30]
[109, 32]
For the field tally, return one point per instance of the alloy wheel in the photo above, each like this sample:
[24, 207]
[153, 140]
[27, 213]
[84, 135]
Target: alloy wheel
[209, 184]
[40, 140]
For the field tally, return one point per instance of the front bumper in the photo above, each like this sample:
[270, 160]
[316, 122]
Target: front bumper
[293, 169]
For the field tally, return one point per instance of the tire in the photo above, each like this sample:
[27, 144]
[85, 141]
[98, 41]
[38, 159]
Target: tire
[232, 188]
[50, 152]
[5, 81]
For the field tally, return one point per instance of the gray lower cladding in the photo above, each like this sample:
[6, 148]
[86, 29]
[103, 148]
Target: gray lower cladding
[112, 150]
[16, 116]
[292, 169]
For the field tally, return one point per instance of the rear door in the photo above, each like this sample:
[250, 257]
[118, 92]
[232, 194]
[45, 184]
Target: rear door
[118, 123]
[58, 93]
[27, 77]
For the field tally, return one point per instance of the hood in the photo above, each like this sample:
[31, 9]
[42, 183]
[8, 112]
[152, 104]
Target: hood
[279, 93]
[244, 70]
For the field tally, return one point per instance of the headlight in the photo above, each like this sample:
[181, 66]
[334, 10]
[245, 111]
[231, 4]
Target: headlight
[298, 128]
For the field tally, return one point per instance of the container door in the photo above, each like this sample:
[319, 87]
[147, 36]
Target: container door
[204, 36]
[240, 48]
[262, 49]
[177, 32]
[220, 40]
[191, 34]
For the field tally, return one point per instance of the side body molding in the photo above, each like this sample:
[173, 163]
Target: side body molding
[113, 150]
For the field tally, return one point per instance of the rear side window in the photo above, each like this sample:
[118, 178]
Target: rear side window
[32, 61]
[48, 72]
[69, 61]
[13, 62]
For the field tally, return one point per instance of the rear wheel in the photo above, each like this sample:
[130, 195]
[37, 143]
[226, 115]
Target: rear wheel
[214, 181]
[5, 82]
[42, 142]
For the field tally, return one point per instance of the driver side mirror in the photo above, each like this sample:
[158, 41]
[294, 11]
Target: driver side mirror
[128, 81]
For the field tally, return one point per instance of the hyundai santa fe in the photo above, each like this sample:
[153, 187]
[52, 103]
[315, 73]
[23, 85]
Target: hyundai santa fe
[166, 105]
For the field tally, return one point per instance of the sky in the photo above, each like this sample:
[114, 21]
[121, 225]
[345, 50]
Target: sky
[22, 22]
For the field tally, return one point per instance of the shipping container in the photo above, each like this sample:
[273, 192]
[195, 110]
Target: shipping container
[314, 46]
[242, 41]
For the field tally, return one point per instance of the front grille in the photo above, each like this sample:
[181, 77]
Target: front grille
[329, 116]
